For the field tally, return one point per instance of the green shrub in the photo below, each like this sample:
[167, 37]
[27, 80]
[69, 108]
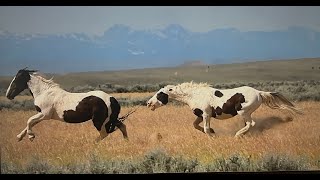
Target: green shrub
[294, 90]
[158, 161]
[282, 163]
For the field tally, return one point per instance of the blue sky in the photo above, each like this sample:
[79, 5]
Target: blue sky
[93, 20]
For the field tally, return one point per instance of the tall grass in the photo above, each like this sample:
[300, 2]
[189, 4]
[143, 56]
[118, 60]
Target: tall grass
[164, 140]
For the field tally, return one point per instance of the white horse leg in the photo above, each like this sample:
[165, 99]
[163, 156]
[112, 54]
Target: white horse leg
[24, 132]
[31, 122]
[248, 122]
[206, 124]
[245, 113]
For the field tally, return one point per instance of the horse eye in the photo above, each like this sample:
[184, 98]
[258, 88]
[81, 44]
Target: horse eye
[170, 89]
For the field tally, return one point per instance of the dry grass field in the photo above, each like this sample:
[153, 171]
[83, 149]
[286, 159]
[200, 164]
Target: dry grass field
[168, 128]
[276, 142]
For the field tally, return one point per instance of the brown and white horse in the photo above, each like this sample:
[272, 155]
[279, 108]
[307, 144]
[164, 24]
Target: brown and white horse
[207, 102]
[52, 102]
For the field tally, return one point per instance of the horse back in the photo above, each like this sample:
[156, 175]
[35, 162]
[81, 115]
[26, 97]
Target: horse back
[80, 107]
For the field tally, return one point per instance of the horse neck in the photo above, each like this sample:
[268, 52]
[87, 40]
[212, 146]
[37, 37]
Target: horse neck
[37, 86]
[184, 96]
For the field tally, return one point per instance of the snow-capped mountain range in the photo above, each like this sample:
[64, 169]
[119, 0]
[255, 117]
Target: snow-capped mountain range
[121, 47]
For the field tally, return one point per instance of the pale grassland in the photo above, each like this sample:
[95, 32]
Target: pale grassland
[17, 98]
[61, 144]
[276, 70]
[132, 95]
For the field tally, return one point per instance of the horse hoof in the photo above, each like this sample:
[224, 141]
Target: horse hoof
[238, 136]
[210, 135]
[19, 138]
[212, 131]
[31, 137]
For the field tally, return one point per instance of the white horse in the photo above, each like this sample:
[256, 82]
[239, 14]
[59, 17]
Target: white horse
[52, 102]
[207, 102]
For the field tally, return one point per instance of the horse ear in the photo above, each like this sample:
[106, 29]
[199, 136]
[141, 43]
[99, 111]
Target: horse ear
[24, 69]
[32, 71]
[29, 71]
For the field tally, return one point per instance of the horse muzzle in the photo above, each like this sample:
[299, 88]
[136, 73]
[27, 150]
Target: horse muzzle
[9, 96]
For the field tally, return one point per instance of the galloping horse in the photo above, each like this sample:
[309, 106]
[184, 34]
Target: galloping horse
[207, 102]
[52, 102]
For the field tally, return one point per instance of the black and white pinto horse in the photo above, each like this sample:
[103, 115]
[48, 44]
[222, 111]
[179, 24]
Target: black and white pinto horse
[207, 102]
[52, 102]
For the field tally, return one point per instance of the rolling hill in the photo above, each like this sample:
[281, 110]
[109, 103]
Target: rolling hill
[269, 70]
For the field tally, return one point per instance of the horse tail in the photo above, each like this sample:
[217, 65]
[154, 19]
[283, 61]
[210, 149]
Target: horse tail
[275, 100]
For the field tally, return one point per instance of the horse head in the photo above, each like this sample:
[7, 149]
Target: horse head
[19, 83]
[161, 97]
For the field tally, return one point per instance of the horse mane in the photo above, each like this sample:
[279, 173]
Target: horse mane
[49, 82]
[184, 89]
[192, 84]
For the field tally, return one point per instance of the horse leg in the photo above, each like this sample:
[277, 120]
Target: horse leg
[123, 129]
[248, 122]
[103, 129]
[206, 125]
[21, 135]
[100, 126]
[196, 125]
[24, 132]
[102, 135]
[45, 114]
[33, 120]
[245, 113]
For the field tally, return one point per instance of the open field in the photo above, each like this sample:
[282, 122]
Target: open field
[168, 128]
[275, 70]
[274, 143]
[303, 90]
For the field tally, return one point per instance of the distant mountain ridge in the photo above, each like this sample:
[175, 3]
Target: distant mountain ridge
[194, 63]
[121, 47]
